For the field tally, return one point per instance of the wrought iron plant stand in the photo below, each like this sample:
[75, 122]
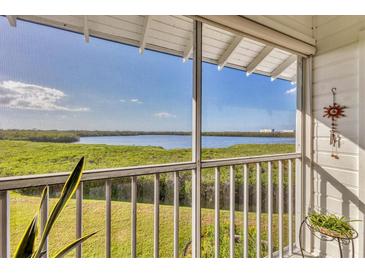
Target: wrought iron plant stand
[327, 235]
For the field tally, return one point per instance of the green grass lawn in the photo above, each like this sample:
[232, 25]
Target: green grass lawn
[24, 157]
[23, 209]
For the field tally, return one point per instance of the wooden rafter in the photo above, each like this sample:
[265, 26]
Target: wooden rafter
[229, 51]
[283, 66]
[146, 26]
[11, 20]
[188, 51]
[294, 79]
[258, 59]
[86, 29]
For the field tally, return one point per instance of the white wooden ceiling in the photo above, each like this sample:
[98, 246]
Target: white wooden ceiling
[173, 35]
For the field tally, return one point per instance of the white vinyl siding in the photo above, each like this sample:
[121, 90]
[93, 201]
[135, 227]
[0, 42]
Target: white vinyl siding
[336, 184]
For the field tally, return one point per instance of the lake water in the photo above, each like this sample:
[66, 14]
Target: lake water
[182, 141]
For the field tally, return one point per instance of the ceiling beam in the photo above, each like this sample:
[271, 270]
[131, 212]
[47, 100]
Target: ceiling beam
[11, 20]
[146, 26]
[260, 32]
[229, 51]
[86, 29]
[258, 59]
[283, 66]
[188, 51]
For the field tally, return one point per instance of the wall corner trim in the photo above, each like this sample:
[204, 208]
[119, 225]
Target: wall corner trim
[361, 139]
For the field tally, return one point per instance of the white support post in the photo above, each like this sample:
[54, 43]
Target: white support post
[4, 224]
[290, 208]
[307, 145]
[299, 147]
[217, 210]
[79, 197]
[196, 137]
[231, 211]
[156, 218]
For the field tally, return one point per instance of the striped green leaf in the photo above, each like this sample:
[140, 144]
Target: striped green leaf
[68, 191]
[43, 197]
[26, 244]
[73, 245]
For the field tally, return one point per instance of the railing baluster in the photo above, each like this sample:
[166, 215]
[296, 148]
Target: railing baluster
[176, 215]
[216, 207]
[269, 208]
[231, 210]
[156, 219]
[108, 207]
[290, 207]
[79, 197]
[194, 213]
[4, 224]
[134, 216]
[43, 221]
[280, 209]
[245, 210]
[258, 210]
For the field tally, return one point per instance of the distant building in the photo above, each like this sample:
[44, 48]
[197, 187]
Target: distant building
[272, 130]
[267, 130]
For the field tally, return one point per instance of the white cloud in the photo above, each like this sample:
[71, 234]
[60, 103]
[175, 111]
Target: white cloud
[165, 115]
[136, 101]
[20, 95]
[291, 91]
[133, 101]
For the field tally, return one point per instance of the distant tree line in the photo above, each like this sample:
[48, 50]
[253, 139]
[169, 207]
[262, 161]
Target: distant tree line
[54, 136]
[71, 136]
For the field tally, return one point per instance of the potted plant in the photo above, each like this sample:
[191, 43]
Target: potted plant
[331, 225]
[26, 247]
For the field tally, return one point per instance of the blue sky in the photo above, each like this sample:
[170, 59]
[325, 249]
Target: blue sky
[52, 79]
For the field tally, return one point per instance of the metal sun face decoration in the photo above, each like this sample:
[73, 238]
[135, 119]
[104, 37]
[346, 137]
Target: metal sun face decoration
[334, 112]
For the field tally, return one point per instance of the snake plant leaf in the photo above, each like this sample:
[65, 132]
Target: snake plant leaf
[68, 191]
[43, 197]
[26, 244]
[73, 245]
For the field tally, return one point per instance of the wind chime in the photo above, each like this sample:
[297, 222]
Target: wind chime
[334, 112]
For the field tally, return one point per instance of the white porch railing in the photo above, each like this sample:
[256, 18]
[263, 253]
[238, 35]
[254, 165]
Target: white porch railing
[13, 183]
